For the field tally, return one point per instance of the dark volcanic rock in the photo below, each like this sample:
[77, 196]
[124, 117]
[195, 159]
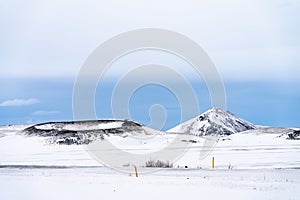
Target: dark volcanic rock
[83, 132]
[295, 135]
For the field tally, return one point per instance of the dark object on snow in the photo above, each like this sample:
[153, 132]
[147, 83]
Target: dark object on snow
[82, 132]
[295, 135]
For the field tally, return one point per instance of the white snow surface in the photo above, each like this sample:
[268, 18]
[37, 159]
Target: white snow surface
[264, 148]
[78, 127]
[258, 163]
[104, 183]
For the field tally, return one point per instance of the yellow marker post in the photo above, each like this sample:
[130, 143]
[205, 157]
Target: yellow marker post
[136, 171]
[213, 162]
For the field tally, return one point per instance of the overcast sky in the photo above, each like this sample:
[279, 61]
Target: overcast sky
[254, 44]
[248, 39]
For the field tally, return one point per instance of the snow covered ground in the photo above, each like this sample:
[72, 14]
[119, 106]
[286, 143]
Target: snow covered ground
[245, 150]
[251, 162]
[263, 166]
[104, 183]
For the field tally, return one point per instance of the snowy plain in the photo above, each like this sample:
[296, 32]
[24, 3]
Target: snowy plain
[248, 165]
[104, 183]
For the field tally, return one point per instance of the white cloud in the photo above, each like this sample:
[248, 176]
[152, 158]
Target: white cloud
[34, 39]
[45, 112]
[19, 102]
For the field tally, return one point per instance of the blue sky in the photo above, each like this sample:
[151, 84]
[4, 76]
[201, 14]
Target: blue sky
[254, 44]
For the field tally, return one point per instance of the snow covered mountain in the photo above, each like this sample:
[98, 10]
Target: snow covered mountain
[85, 132]
[255, 147]
[215, 121]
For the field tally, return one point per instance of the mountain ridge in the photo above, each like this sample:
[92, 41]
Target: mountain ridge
[85, 132]
[215, 121]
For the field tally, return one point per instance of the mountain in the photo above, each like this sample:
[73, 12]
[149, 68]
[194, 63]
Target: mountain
[215, 121]
[252, 145]
[85, 132]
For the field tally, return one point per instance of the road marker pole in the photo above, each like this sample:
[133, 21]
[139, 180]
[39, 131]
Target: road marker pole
[136, 171]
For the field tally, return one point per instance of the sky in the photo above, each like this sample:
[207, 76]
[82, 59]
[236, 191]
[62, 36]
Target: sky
[254, 45]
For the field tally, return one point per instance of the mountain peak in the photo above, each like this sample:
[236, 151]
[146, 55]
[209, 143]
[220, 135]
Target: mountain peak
[215, 121]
